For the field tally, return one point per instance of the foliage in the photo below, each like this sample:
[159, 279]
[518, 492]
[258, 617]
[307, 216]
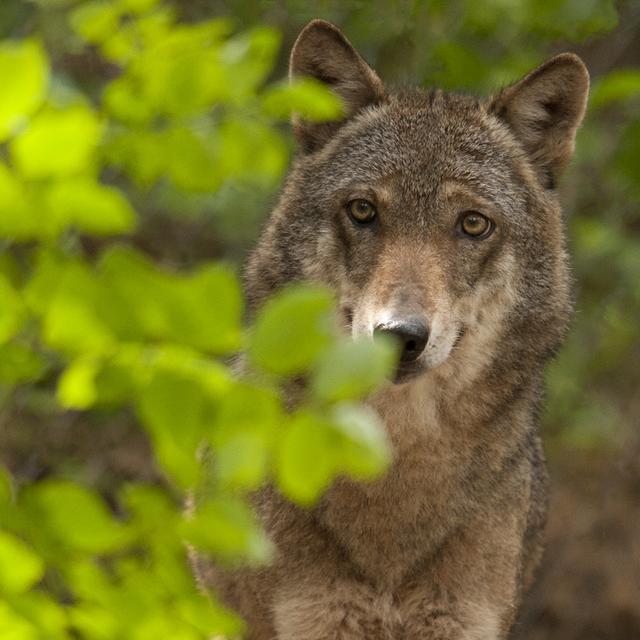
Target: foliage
[120, 118]
[188, 110]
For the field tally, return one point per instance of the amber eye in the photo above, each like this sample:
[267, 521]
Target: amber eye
[475, 225]
[361, 211]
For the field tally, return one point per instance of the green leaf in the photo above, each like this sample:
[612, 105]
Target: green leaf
[616, 86]
[49, 616]
[96, 21]
[242, 439]
[306, 459]
[6, 486]
[20, 363]
[352, 369]
[14, 626]
[20, 568]
[138, 6]
[58, 143]
[11, 310]
[314, 448]
[177, 413]
[227, 527]
[17, 221]
[24, 70]
[90, 206]
[292, 329]
[306, 97]
[364, 451]
[77, 517]
[211, 310]
[77, 385]
[73, 321]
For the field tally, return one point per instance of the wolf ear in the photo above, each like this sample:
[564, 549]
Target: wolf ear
[544, 111]
[322, 52]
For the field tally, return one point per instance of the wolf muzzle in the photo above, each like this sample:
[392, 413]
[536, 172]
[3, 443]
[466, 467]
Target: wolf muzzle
[412, 335]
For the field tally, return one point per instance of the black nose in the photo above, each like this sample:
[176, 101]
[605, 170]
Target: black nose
[411, 333]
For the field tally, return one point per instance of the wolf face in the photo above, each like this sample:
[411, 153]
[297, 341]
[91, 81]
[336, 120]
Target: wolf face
[433, 216]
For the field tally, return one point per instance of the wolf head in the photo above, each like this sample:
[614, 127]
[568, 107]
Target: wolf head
[433, 216]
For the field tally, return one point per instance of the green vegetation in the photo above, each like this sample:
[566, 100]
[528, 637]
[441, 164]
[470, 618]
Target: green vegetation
[123, 119]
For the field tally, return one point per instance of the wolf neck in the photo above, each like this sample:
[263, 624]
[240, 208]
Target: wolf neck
[454, 448]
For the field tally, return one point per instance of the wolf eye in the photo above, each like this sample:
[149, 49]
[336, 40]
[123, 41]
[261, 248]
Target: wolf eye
[361, 211]
[475, 225]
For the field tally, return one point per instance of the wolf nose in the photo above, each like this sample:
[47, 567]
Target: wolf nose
[412, 335]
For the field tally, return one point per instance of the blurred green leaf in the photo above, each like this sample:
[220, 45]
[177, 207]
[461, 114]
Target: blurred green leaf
[228, 528]
[292, 329]
[306, 461]
[76, 387]
[20, 568]
[306, 97]
[178, 414]
[58, 143]
[76, 516]
[363, 446]
[90, 206]
[95, 21]
[11, 310]
[6, 486]
[24, 70]
[616, 86]
[246, 423]
[352, 369]
[15, 627]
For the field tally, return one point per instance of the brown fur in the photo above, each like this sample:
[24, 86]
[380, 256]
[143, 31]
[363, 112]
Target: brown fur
[443, 545]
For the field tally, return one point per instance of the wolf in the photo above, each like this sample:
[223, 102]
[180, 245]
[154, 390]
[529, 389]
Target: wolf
[435, 219]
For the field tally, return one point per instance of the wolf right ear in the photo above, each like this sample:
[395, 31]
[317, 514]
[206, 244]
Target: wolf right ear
[544, 111]
[322, 52]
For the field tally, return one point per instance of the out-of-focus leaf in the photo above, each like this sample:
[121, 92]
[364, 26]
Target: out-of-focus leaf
[6, 487]
[251, 151]
[14, 626]
[227, 528]
[77, 385]
[20, 568]
[177, 413]
[313, 449]
[138, 6]
[90, 206]
[364, 450]
[20, 363]
[122, 100]
[77, 517]
[58, 143]
[17, 221]
[11, 310]
[44, 612]
[250, 57]
[616, 86]
[180, 74]
[351, 369]
[24, 70]
[306, 459]
[247, 422]
[308, 98]
[72, 320]
[95, 21]
[292, 329]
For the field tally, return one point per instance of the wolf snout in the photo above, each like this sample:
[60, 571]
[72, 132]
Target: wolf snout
[411, 334]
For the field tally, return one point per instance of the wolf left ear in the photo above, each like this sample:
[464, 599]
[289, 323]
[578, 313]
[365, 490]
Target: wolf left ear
[322, 52]
[544, 111]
